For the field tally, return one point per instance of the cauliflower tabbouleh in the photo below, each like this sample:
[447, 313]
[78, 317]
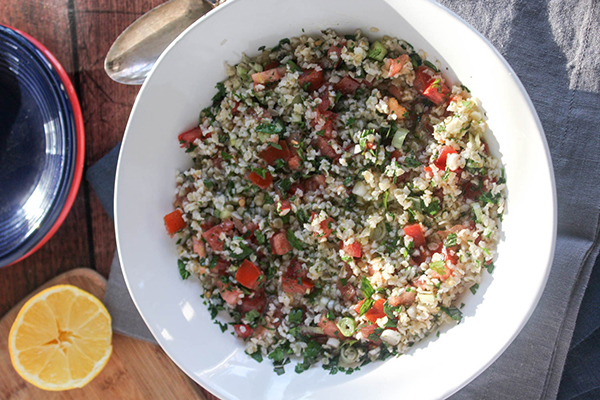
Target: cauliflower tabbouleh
[342, 198]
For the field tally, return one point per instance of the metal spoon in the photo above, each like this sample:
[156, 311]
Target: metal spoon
[133, 54]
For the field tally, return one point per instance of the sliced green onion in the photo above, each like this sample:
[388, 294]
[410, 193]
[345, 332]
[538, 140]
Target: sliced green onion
[348, 355]
[241, 71]
[379, 232]
[399, 136]
[426, 297]
[346, 325]
[478, 212]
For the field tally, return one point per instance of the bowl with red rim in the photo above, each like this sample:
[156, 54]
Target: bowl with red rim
[41, 145]
[182, 82]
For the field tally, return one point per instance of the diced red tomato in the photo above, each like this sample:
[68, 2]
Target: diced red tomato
[189, 137]
[296, 186]
[352, 249]
[394, 65]
[442, 277]
[315, 183]
[437, 91]
[222, 266]
[296, 285]
[415, 231]
[348, 291]
[440, 162]
[174, 222]
[256, 302]
[326, 226]
[279, 244]
[325, 148]
[326, 118]
[284, 207]
[423, 75]
[330, 328]
[404, 298]
[212, 236]
[198, 247]
[294, 162]
[471, 190]
[347, 85]
[269, 75]
[325, 103]
[367, 330]
[312, 78]
[335, 49]
[295, 279]
[272, 64]
[272, 154]
[249, 275]
[375, 312]
[420, 256]
[259, 181]
[229, 293]
[428, 170]
[243, 331]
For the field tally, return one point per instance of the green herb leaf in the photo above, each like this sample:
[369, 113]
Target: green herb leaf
[182, 271]
[366, 306]
[275, 145]
[246, 252]
[431, 65]
[296, 316]
[277, 355]
[451, 240]
[222, 92]
[474, 288]
[301, 215]
[293, 66]
[271, 129]
[257, 355]
[260, 238]
[366, 287]
[297, 244]
[260, 172]
[226, 156]
[453, 312]
[252, 315]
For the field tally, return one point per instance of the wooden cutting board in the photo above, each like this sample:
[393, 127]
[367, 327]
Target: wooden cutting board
[135, 370]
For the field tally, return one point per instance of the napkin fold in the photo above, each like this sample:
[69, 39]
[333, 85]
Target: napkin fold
[554, 48]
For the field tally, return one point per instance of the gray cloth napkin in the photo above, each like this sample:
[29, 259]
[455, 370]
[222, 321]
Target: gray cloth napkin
[554, 47]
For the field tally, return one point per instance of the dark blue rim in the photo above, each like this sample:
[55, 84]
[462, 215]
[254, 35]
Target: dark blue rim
[55, 83]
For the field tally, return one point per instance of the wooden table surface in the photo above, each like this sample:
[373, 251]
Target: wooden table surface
[79, 34]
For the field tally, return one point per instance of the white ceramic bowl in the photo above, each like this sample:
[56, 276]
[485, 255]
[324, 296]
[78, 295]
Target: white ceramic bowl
[183, 82]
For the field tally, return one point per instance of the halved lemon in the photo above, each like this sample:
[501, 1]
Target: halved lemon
[61, 338]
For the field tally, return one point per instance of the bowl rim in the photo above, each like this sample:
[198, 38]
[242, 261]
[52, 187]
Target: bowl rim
[79, 137]
[216, 390]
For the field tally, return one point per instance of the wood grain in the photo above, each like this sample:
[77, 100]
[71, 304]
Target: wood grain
[135, 370]
[106, 104]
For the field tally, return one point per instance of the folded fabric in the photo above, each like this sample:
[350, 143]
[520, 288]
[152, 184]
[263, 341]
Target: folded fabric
[554, 48]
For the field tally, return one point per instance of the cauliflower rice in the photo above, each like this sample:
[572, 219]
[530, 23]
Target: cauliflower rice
[342, 199]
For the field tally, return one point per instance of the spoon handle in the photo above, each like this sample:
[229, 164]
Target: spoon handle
[133, 54]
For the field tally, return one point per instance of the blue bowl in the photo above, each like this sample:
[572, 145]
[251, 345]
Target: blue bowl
[41, 144]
